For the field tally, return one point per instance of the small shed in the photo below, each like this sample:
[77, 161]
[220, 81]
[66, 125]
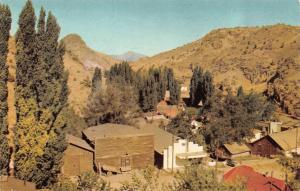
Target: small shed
[78, 157]
[233, 150]
[120, 148]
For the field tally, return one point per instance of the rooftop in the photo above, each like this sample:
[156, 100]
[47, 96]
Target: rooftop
[254, 180]
[235, 148]
[78, 142]
[287, 139]
[112, 130]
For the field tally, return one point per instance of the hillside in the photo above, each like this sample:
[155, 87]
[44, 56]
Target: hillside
[260, 58]
[80, 61]
[129, 56]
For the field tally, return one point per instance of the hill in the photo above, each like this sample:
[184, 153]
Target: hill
[80, 61]
[265, 59]
[129, 56]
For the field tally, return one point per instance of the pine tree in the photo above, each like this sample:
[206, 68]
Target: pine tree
[5, 24]
[97, 80]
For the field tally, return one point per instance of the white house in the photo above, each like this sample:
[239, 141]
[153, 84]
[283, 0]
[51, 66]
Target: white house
[175, 155]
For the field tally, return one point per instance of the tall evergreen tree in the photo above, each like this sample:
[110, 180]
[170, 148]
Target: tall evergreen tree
[207, 87]
[40, 111]
[52, 106]
[97, 80]
[195, 85]
[5, 24]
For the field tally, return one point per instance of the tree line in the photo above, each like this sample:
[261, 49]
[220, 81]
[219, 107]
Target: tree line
[41, 96]
[126, 93]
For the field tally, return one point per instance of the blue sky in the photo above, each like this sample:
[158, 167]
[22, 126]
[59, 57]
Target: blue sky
[153, 26]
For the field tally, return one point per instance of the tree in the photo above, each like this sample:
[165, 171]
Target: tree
[196, 80]
[5, 24]
[41, 99]
[89, 181]
[97, 80]
[196, 178]
[240, 91]
[231, 118]
[207, 87]
[115, 104]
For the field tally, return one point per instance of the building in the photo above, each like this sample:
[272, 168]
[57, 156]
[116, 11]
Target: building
[233, 150]
[254, 181]
[119, 148]
[164, 145]
[78, 157]
[170, 111]
[258, 134]
[8, 183]
[180, 153]
[285, 142]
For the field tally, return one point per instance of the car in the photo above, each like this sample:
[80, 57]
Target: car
[231, 162]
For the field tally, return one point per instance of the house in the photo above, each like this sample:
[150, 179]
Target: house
[167, 96]
[8, 183]
[285, 142]
[164, 145]
[78, 157]
[119, 148]
[233, 150]
[170, 111]
[254, 181]
[195, 125]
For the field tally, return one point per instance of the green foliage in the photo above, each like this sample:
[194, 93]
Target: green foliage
[147, 180]
[89, 181]
[41, 98]
[75, 123]
[97, 80]
[196, 178]
[115, 104]
[231, 118]
[5, 24]
[150, 88]
[201, 86]
[64, 184]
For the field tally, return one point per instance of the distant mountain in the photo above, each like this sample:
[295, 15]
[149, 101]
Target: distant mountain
[129, 56]
[265, 59]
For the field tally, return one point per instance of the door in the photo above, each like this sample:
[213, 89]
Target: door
[126, 163]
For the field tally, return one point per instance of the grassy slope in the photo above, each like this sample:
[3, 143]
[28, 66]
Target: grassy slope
[242, 56]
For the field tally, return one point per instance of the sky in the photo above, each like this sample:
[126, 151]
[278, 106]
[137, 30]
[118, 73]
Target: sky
[153, 26]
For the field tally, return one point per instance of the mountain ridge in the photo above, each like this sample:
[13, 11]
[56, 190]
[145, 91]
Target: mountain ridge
[247, 56]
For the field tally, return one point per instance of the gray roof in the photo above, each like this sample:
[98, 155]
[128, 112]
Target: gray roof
[78, 142]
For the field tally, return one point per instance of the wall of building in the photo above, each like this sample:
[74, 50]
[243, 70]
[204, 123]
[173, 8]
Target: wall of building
[110, 150]
[77, 160]
[264, 147]
[180, 147]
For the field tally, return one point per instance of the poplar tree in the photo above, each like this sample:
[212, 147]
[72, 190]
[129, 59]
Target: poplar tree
[195, 86]
[5, 24]
[42, 101]
[97, 80]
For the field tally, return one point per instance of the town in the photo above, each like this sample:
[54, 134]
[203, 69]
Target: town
[74, 119]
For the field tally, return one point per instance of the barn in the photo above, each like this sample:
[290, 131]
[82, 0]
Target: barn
[284, 142]
[78, 157]
[120, 148]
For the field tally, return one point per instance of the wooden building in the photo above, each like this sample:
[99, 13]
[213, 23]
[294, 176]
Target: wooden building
[120, 148]
[78, 157]
[284, 142]
[8, 183]
[233, 150]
